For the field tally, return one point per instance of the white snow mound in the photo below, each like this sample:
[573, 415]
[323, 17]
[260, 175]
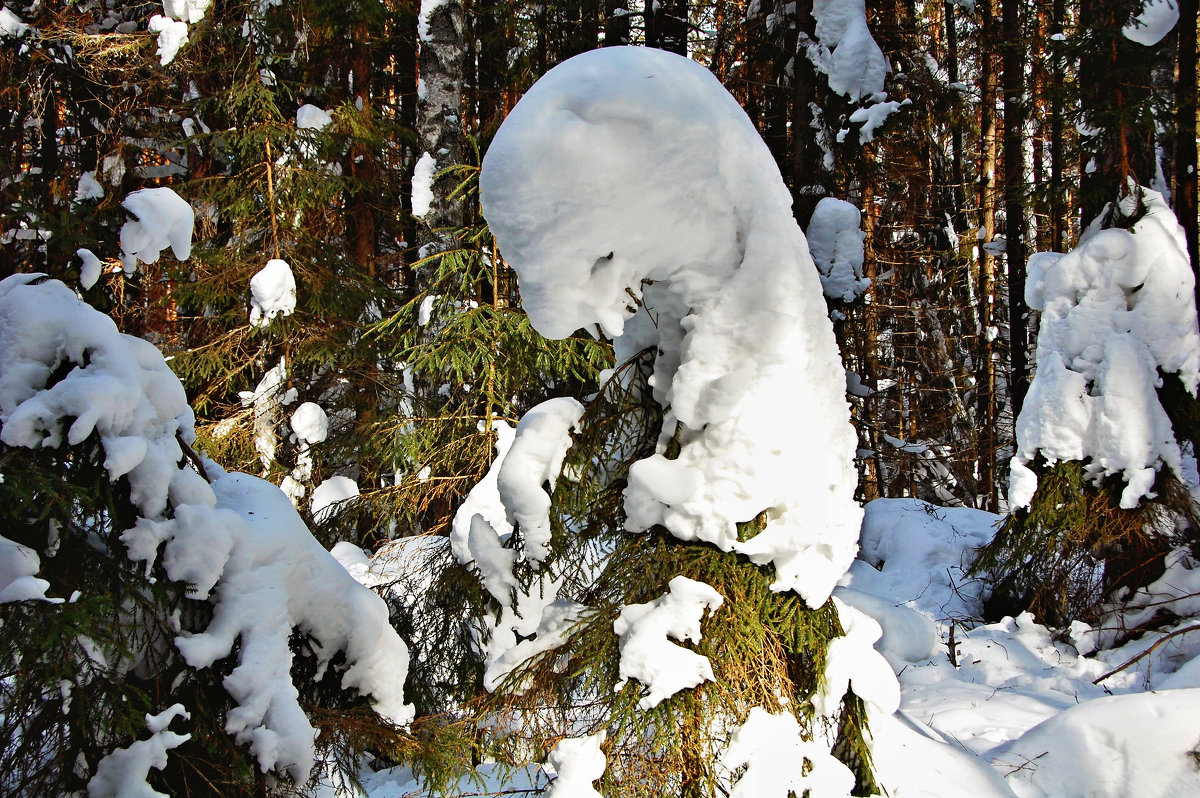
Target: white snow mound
[629, 191]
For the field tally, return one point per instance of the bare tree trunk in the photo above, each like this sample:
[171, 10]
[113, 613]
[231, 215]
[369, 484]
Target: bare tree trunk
[439, 117]
[985, 365]
[616, 23]
[667, 25]
[1014, 201]
[1059, 223]
[1186, 133]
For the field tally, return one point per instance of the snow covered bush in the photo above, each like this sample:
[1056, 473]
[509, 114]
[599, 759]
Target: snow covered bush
[707, 491]
[160, 614]
[1098, 468]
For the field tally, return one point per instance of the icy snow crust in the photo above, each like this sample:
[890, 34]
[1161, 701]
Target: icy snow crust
[630, 191]
[1116, 311]
[237, 542]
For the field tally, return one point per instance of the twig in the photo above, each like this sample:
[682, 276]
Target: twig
[194, 458]
[1157, 643]
[951, 646]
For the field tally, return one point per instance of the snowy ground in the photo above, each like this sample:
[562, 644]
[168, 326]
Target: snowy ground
[1020, 714]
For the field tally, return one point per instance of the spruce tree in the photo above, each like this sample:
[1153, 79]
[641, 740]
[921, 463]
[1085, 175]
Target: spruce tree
[599, 530]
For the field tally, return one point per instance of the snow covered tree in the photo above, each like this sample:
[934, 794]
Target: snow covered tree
[157, 613]
[685, 486]
[1097, 487]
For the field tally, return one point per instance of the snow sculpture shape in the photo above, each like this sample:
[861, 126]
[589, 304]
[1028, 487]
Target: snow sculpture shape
[646, 654]
[526, 458]
[630, 191]
[1116, 311]
[310, 423]
[536, 457]
[123, 773]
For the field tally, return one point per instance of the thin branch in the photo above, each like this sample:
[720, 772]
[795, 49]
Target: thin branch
[192, 457]
[1157, 643]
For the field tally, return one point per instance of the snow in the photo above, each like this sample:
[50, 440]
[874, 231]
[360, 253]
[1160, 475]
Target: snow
[277, 578]
[122, 773]
[1116, 311]
[310, 423]
[848, 54]
[857, 67]
[161, 219]
[422, 185]
[1102, 749]
[272, 293]
[89, 188]
[774, 752]
[90, 270]
[172, 25]
[483, 526]
[534, 459]
[236, 542]
[558, 618]
[872, 118]
[190, 11]
[11, 25]
[1156, 19]
[836, 244]
[853, 663]
[310, 117]
[428, 9]
[577, 762]
[172, 34]
[663, 667]
[120, 388]
[19, 566]
[484, 500]
[328, 494]
[689, 247]
[1018, 715]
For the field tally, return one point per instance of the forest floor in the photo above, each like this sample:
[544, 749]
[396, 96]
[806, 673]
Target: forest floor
[1001, 709]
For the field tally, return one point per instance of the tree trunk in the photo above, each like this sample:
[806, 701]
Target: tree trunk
[1014, 201]
[616, 23]
[1185, 132]
[667, 25]
[439, 117]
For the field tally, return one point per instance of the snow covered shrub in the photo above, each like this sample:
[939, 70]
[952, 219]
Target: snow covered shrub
[1096, 492]
[661, 558]
[159, 614]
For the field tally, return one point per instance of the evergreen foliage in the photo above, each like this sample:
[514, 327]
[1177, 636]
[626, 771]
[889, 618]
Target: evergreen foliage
[468, 358]
[767, 648]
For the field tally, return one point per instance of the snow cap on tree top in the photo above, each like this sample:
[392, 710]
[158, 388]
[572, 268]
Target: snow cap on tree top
[593, 184]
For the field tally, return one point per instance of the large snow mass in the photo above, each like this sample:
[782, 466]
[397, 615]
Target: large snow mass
[1116, 311]
[237, 542]
[630, 192]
